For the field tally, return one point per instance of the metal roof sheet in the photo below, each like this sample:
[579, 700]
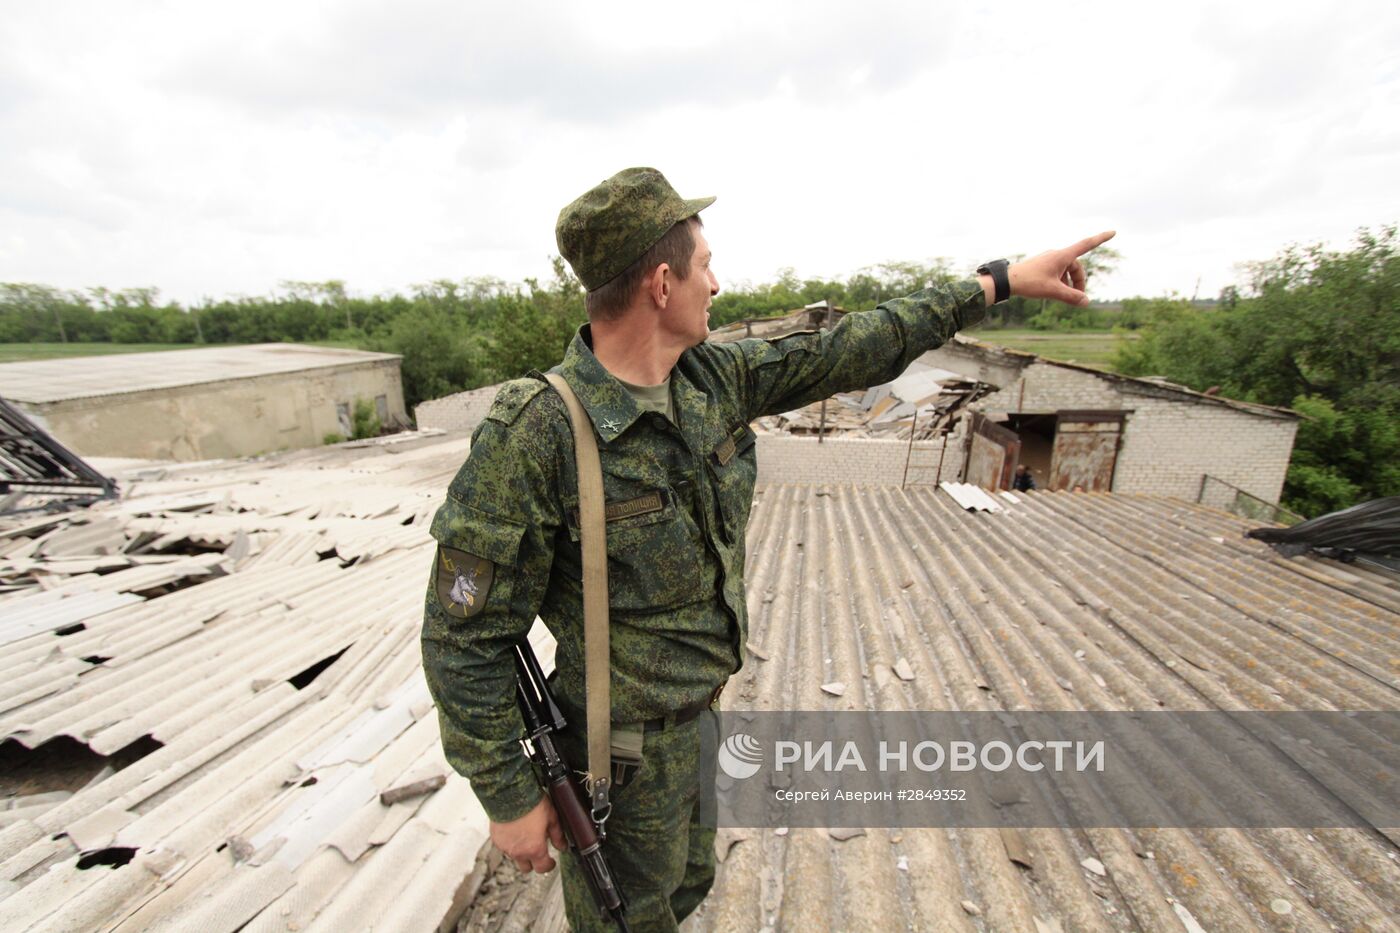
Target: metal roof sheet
[39, 381]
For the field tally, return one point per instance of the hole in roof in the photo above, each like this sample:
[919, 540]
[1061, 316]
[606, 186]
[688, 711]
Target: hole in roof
[407, 521]
[62, 764]
[308, 782]
[96, 659]
[70, 629]
[183, 547]
[301, 680]
[115, 857]
[165, 589]
[133, 752]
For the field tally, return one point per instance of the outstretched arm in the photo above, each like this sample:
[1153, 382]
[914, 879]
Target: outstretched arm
[870, 347]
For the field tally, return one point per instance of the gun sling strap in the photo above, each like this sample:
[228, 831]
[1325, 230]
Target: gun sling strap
[594, 543]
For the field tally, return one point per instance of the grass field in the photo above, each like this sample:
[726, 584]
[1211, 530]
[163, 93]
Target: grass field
[15, 352]
[1090, 348]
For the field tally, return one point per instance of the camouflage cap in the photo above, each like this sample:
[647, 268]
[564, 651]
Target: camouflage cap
[614, 224]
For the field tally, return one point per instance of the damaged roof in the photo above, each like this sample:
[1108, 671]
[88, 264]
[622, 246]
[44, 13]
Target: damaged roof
[263, 753]
[243, 638]
[1024, 358]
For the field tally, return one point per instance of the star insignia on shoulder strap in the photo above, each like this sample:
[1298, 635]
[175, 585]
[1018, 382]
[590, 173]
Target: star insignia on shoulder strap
[609, 424]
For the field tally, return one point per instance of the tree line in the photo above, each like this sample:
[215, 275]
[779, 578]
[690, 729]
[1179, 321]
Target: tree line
[452, 334]
[1314, 330]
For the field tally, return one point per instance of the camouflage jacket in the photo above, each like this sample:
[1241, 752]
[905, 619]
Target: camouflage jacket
[678, 499]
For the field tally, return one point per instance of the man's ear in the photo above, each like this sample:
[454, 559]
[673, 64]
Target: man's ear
[659, 285]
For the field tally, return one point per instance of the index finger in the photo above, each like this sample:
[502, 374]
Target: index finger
[1092, 242]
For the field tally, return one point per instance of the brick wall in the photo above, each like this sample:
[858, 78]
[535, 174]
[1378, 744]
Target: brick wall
[1169, 439]
[460, 412]
[1167, 446]
[862, 461]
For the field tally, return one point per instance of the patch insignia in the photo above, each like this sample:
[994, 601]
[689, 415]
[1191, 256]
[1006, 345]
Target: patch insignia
[462, 582]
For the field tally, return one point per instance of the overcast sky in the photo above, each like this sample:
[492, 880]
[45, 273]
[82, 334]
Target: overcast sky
[213, 149]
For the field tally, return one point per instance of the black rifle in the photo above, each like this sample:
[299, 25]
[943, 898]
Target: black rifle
[543, 722]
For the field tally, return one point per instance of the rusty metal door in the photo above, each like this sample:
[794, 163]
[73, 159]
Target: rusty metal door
[992, 454]
[1086, 450]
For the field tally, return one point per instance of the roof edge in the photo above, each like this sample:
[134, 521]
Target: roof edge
[1025, 358]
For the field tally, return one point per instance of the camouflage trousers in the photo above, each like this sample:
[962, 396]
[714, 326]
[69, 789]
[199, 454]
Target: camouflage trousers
[659, 842]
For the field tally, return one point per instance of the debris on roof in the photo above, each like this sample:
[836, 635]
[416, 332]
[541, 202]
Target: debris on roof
[970, 497]
[214, 715]
[1367, 530]
[813, 317]
[37, 472]
[925, 400]
[213, 709]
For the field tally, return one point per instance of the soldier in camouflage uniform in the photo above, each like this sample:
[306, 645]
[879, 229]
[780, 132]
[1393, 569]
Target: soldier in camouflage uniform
[671, 413]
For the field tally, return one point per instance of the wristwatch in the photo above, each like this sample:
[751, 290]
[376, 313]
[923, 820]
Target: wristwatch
[997, 270]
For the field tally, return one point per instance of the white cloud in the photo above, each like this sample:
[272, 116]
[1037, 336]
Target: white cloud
[215, 149]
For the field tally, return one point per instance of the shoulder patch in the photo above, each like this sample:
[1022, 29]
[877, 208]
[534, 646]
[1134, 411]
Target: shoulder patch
[462, 582]
[513, 398]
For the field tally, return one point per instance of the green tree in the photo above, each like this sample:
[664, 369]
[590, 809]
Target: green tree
[534, 329]
[440, 356]
[1318, 331]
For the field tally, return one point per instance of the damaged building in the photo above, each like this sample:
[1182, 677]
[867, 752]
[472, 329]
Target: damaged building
[209, 402]
[1081, 427]
[971, 412]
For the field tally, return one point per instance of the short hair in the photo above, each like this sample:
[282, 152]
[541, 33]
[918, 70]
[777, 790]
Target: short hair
[675, 248]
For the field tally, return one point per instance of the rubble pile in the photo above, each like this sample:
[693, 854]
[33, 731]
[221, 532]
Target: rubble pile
[924, 401]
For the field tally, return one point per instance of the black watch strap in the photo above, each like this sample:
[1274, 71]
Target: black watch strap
[1000, 278]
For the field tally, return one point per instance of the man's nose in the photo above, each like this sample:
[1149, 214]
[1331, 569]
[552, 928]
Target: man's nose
[714, 285]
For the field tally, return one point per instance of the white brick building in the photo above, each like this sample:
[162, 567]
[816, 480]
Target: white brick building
[461, 411]
[1072, 425]
[1140, 435]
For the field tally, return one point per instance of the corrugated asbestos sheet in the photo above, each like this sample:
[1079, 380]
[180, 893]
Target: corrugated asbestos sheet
[1060, 601]
[187, 628]
[193, 622]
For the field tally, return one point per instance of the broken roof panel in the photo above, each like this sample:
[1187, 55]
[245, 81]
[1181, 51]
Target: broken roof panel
[284, 697]
[224, 686]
